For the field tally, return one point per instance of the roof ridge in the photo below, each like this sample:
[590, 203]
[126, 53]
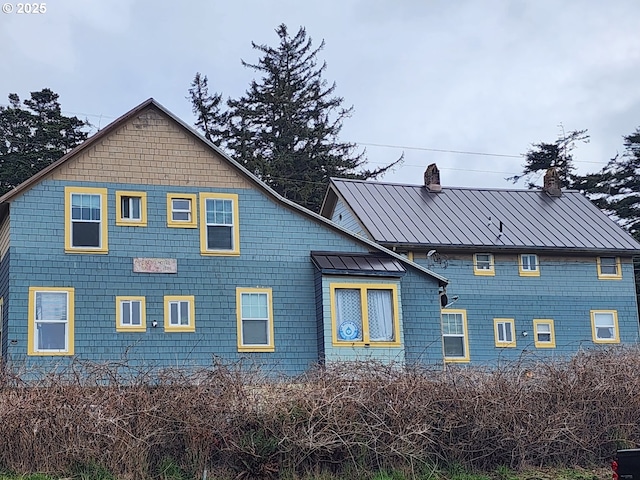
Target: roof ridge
[445, 187]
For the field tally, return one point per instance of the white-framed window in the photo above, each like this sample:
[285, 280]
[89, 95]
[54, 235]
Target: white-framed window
[130, 314]
[131, 208]
[255, 320]
[504, 331]
[604, 326]
[181, 210]
[85, 220]
[179, 313]
[544, 333]
[220, 232]
[483, 264]
[529, 265]
[365, 314]
[455, 337]
[51, 315]
[609, 268]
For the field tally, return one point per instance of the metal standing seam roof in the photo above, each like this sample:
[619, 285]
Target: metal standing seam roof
[357, 264]
[397, 214]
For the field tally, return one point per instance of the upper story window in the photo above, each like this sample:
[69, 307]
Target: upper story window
[529, 266]
[609, 268]
[179, 313]
[181, 210]
[604, 326]
[365, 314]
[131, 209]
[255, 320]
[220, 229]
[51, 313]
[455, 336]
[85, 220]
[483, 264]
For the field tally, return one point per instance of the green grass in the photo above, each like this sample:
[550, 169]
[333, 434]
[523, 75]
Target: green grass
[169, 471]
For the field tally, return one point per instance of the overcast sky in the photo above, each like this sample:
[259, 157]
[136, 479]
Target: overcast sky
[486, 76]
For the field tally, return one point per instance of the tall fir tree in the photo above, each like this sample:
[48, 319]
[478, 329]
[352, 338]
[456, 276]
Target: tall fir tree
[34, 134]
[285, 128]
[542, 156]
[616, 188]
[207, 109]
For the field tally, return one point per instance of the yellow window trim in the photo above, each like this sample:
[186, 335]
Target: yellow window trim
[68, 248]
[615, 326]
[192, 313]
[31, 329]
[126, 222]
[487, 273]
[552, 343]
[607, 276]
[254, 348]
[467, 356]
[500, 344]
[204, 196]
[363, 287]
[143, 315]
[529, 273]
[193, 223]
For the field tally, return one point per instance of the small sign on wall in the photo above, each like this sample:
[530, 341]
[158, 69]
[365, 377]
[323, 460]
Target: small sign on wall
[155, 265]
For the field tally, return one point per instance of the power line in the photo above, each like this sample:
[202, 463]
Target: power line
[463, 152]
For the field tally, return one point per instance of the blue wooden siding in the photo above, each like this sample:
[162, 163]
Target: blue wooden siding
[343, 217]
[275, 245]
[4, 294]
[566, 291]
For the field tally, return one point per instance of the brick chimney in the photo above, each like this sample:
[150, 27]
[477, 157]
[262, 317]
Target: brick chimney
[432, 179]
[552, 183]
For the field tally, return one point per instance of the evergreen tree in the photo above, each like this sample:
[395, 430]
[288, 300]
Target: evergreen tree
[285, 128]
[616, 188]
[206, 107]
[543, 156]
[33, 135]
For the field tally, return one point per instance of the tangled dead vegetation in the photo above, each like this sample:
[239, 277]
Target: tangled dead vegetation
[356, 416]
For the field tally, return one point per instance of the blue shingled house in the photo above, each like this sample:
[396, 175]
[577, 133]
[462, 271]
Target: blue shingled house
[534, 273]
[149, 244]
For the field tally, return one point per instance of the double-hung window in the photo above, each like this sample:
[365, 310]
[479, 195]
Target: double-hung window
[504, 331]
[483, 264]
[220, 230]
[131, 209]
[255, 320]
[85, 220]
[528, 265]
[455, 337]
[609, 268]
[181, 210]
[544, 333]
[179, 313]
[365, 314]
[130, 314]
[51, 312]
[604, 326]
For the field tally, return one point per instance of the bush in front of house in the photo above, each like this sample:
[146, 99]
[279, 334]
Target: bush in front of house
[356, 417]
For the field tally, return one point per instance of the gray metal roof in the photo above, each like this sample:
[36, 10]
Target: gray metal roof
[357, 264]
[396, 214]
